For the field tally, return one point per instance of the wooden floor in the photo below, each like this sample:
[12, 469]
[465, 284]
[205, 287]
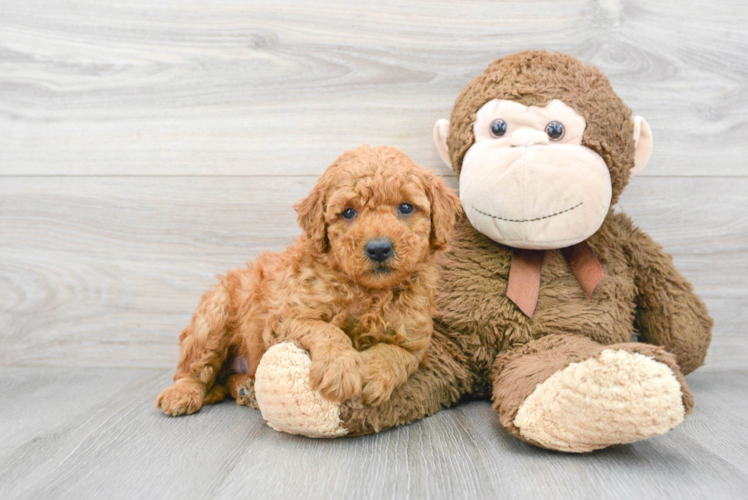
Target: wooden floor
[93, 433]
[146, 146]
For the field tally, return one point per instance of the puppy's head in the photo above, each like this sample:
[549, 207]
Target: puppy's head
[377, 215]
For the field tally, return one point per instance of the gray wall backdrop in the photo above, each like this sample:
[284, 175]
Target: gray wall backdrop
[147, 146]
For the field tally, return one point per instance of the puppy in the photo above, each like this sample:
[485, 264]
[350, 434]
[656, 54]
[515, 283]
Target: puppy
[356, 289]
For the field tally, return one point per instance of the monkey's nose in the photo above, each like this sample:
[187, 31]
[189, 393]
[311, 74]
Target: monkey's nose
[379, 250]
[528, 137]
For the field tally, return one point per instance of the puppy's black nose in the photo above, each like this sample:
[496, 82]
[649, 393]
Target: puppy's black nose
[379, 250]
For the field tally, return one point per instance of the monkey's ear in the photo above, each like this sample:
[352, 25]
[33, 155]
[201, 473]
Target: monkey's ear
[643, 142]
[311, 212]
[441, 131]
[445, 208]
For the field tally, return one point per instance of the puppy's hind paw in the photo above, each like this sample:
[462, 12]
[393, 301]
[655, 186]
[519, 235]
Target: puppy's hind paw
[185, 396]
[242, 389]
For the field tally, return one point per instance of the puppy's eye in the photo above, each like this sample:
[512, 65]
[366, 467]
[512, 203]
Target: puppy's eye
[498, 128]
[555, 130]
[405, 209]
[348, 213]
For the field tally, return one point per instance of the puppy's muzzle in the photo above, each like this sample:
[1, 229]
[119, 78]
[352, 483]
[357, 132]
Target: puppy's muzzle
[379, 250]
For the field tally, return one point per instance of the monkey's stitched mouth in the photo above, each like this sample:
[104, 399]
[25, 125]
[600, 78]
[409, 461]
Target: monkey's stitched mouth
[529, 220]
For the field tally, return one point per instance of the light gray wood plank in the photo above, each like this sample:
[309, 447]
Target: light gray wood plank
[118, 446]
[718, 422]
[701, 223]
[434, 458]
[146, 88]
[35, 400]
[129, 449]
[107, 271]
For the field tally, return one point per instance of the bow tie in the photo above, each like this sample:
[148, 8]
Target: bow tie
[524, 274]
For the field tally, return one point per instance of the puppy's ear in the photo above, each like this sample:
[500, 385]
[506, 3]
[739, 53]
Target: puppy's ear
[311, 212]
[445, 208]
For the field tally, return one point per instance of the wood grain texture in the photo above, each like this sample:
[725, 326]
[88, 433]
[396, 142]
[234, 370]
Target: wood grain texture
[93, 433]
[147, 146]
[107, 271]
[251, 88]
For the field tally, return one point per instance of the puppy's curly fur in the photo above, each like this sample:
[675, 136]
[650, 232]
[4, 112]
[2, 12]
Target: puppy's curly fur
[366, 324]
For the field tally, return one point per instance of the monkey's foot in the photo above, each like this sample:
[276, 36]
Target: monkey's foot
[616, 397]
[286, 399]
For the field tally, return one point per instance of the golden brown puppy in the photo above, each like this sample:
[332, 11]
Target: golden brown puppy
[356, 290]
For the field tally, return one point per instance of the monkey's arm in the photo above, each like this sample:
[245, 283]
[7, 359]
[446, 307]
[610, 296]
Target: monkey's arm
[668, 312]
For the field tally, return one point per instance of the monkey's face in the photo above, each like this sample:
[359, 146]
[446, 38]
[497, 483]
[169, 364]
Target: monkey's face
[541, 171]
[528, 182]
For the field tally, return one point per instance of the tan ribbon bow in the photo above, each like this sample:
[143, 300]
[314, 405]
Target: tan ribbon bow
[524, 274]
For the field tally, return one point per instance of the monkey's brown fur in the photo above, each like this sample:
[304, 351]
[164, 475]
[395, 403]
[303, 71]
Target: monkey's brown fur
[483, 346]
[323, 292]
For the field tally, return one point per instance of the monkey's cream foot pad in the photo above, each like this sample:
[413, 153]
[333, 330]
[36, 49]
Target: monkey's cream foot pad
[287, 401]
[616, 398]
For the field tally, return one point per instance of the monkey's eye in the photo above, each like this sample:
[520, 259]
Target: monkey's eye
[498, 128]
[555, 130]
[348, 213]
[405, 209]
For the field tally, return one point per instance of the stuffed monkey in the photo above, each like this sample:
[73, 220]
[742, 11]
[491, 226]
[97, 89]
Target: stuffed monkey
[543, 284]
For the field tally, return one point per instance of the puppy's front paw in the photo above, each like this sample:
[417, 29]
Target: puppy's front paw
[337, 375]
[378, 386]
[185, 396]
